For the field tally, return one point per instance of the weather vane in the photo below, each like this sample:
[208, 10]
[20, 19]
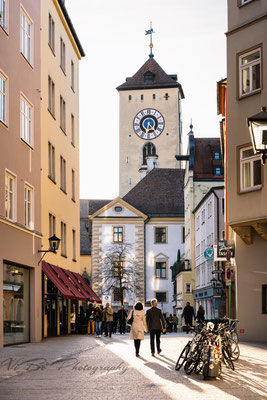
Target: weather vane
[150, 32]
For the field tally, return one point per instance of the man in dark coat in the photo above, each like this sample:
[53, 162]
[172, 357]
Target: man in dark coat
[188, 314]
[155, 323]
[122, 315]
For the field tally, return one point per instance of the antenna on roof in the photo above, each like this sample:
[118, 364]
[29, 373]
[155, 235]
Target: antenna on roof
[150, 32]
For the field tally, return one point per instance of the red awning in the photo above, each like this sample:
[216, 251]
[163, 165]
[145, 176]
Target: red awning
[61, 273]
[76, 283]
[92, 295]
[50, 273]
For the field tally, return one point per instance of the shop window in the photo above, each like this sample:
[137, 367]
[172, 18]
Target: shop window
[16, 296]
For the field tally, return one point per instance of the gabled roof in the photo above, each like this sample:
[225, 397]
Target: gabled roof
[204, 163]
[159, 194]
[118, 201]
[160, 78]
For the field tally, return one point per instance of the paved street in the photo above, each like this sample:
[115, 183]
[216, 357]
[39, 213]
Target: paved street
[82, 367]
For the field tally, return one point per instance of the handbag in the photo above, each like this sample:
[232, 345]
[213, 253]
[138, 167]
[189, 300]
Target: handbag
[131, 320]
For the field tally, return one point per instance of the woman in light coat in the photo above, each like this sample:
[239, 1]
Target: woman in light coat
[139, 326]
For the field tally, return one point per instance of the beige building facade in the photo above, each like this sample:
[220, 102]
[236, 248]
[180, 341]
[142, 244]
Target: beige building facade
[150, 123]
[246, 181]
[20, 149]
[61, 53]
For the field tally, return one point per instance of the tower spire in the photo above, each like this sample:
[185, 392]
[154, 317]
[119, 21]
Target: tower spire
[191, 128]
[150, 32]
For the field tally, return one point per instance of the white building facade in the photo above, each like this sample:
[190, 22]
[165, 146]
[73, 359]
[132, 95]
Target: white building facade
[209, 228]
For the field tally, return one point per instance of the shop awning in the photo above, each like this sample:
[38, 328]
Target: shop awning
[70, 284]
[73, 279]
[50, 273]
[92, 295]
[62, 274]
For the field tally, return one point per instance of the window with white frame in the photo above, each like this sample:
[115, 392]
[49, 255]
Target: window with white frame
[62, 114]
[197, 250]
[10, 196]
[250, 170]
[62, 55]
[52, 225]
[72, 74]
[3, 87]
[26, 121]
[250, 72]
[25, 36]
[198, 222]
[3, 14]
[209, 209]
[63, 174]
[51, 162]
[73, 245]
[28, 207]
[51, 96]
[203, 216]
[72, 130]
[51, 32]
[63, 239]
[117, 234]
[73, 184]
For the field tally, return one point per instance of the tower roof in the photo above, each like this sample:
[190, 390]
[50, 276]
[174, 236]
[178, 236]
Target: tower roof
[151, 76]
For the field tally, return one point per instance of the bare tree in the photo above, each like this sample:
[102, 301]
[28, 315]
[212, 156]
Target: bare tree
[119, 270]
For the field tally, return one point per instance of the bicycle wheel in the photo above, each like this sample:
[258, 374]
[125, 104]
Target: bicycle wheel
[227, 358]
[183, 356]
[234, 350]
[234, 336]
[189, 366]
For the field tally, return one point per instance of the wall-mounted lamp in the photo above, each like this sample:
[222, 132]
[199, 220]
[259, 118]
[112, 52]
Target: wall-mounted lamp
[258, 131]
[53, 246]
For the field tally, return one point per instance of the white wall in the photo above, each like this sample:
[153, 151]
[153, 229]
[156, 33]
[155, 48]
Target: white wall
[162, 252]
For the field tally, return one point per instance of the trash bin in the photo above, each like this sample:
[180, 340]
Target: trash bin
[212, 362]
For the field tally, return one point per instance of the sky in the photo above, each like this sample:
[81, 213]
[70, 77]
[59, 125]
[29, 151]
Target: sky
[189, 41]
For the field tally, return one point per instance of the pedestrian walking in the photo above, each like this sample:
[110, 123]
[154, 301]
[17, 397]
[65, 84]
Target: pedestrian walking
[170, 322]
[90, 317]
[108, 319]
[175, 322]
[98, 321]
[155, 323]
[115, 322]
[122, 315]
[139, 326]
[200, 317]
[188, 315]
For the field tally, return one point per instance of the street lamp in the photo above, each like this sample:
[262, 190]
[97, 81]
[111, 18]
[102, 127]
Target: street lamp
[258, 131]
[53, 246]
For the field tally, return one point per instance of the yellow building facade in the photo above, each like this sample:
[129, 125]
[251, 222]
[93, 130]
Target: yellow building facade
[61, 52]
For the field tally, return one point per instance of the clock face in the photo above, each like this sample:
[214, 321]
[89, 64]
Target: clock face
[148, 123]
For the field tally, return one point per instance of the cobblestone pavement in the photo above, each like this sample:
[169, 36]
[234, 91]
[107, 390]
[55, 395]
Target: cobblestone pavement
[84, 367]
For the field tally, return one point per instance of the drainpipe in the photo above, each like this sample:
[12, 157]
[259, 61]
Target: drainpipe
[146, 221]
[218, 211]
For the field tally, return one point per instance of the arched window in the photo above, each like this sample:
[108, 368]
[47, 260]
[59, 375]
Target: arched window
[149, 149]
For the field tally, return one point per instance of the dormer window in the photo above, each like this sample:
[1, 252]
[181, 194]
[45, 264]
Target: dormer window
[149, 77]
[118, 209]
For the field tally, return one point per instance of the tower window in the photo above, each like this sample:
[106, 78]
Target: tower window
[142, 97]
[149, 149]
[166, 96]
[130, 97]
[154, 96]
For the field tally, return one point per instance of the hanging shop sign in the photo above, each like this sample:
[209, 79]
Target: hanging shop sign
[209, 253]
[225, 249]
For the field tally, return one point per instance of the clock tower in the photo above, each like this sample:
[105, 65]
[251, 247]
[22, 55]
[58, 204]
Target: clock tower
[150, 123]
